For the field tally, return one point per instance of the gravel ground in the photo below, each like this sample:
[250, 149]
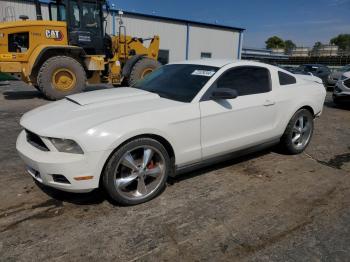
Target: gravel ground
[262, 207]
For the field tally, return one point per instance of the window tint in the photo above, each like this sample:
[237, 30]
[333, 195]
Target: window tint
[286, 79]
[180, 82]
[75, 15]
[18, 42]
[91, 16]
[246, 80]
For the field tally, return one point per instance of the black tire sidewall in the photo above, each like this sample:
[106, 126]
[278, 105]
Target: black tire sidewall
[50, 66]
[286, 140]
[108, 174]
[139, 67]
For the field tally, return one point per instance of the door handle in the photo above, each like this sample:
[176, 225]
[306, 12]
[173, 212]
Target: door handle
[269, 103]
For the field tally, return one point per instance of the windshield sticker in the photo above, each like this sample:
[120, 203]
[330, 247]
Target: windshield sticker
[203, 73]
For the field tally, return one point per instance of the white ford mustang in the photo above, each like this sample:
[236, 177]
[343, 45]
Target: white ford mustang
[129, 140]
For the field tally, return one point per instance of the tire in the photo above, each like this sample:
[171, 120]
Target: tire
[290, 141]
[37, 88]
[53, 75]
[124, 183]
[142, 67]
[336, 100]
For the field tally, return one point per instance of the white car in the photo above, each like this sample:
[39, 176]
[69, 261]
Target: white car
[129, 140]
[341, 93]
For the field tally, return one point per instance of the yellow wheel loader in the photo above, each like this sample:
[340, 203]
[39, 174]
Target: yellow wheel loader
[60, 56]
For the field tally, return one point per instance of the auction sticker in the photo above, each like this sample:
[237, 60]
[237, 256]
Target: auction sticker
[203, 73]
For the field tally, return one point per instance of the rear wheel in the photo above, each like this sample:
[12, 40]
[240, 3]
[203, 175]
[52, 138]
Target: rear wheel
[137, 172]
[141, 69]
[298, 132]
[61, 76]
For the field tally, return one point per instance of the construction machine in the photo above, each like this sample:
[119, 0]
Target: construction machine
[61, 55]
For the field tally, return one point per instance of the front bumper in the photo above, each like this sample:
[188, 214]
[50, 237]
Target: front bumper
[341, 92]
[42, 166]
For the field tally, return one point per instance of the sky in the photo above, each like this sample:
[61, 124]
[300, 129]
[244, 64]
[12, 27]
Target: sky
[302, 21]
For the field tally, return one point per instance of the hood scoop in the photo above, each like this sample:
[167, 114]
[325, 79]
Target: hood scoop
[120, 94]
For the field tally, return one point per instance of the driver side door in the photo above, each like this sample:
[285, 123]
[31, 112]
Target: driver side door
[232, 124]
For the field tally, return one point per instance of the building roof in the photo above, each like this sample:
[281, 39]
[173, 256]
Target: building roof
[185, 21]
[172, 19]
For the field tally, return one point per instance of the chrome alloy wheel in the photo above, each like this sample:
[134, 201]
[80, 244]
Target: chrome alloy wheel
[302, 131]
[139, 172]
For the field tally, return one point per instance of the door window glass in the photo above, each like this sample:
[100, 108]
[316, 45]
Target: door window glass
[75, 14]
[246, 80]
[18, 42]
[91, 16]
[286, 79]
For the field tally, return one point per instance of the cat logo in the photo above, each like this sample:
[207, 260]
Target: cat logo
[54, 34]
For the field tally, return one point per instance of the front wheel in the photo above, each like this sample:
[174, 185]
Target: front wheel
[60, 76]
[298, 133]
[137, 172]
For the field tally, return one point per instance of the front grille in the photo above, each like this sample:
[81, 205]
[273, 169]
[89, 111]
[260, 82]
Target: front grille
[347, 83]
[36, 141]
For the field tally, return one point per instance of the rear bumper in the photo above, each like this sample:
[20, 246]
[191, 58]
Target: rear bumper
[42, 166]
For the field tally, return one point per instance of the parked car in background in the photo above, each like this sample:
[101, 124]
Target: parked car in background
[335, 76]
[341, 93]
[320, 71]
[183, 115]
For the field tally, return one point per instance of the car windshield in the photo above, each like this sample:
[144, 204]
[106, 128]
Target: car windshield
[180, 82]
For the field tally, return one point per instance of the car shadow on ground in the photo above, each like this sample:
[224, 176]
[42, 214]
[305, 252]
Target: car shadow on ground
[343, 106]
[32, 93]
[98, 196]
[22, 95]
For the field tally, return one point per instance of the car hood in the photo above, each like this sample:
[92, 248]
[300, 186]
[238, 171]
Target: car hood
[78, 113]
[310, 78]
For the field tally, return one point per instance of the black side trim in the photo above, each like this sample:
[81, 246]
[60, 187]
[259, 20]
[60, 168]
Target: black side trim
[224, 157]
[36, 141]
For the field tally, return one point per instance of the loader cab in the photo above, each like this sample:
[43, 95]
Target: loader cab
[84, 20]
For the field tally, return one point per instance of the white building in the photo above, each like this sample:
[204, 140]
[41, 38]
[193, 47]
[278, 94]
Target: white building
[180, 39]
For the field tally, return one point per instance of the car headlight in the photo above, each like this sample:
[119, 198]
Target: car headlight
[66, 146]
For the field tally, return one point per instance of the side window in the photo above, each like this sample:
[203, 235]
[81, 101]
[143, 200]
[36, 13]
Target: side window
[18, 42]
[91, 16]
[286, 79]
[57, 12]
[246, 80]
[75, 16]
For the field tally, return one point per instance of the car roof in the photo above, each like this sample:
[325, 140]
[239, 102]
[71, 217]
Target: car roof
[220, 62]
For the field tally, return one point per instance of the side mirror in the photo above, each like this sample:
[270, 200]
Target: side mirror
[224, 93]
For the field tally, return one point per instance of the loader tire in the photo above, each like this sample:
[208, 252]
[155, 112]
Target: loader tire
[142, 68]
[61, 76]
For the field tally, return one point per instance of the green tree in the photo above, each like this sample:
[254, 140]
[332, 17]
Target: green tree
[274, 42]
[342, 41]
[289, 46]
[317, 46]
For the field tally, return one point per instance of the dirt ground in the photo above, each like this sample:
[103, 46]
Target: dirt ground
[262, 207]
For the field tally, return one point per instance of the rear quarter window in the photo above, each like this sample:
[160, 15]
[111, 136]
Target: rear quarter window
[286, 79]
